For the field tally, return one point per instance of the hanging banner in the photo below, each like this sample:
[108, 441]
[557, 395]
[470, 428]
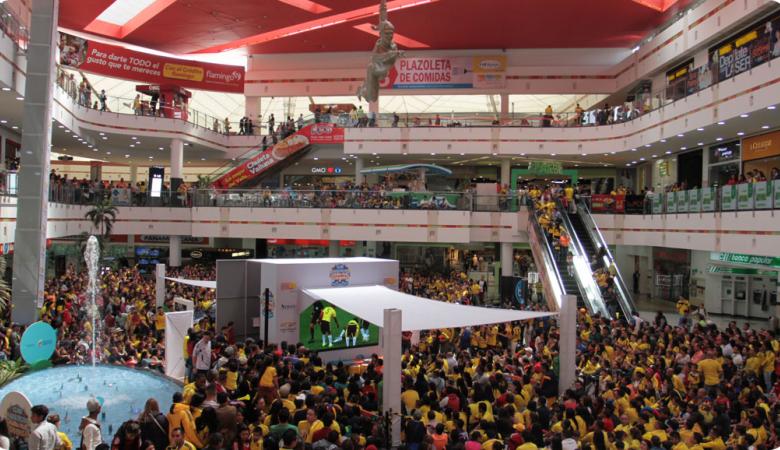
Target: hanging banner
[740, 258]
[671, 202]
[658, 203]
[763, 194]
[708, 199]
[752, 46]
[118, 62]
[602, 203]
[324, 133]
[444, 72]
[635, 204]
[262, 161]
[776, 194]
[745, 196]
[728, 198]
[682, 201]
[545, 167]
[694, 200]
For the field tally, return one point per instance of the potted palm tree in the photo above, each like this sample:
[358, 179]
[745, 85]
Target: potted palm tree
[102, 215]
[201, 194]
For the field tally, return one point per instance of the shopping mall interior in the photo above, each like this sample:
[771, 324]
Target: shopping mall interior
[375, 224]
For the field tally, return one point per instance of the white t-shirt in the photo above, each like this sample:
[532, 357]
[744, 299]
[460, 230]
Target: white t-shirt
[202, 355]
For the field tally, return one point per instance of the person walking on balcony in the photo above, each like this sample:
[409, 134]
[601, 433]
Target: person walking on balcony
[300, 122]
[548, 116]
[271, 122]
[227, 126]
[137, 105]
[102, 98]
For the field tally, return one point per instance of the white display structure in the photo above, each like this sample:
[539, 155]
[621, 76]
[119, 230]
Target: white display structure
[287, 277]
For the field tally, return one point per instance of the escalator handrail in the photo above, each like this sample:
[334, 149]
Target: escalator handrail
[624, 297]
[579, 251]
[548, 253]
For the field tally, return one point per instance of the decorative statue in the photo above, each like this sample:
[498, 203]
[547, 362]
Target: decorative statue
[384, 56]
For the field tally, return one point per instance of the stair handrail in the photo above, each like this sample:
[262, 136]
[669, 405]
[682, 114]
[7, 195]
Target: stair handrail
[624, 295]
[556, 287]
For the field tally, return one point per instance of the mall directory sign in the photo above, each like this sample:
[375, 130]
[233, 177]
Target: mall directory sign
[119, 62]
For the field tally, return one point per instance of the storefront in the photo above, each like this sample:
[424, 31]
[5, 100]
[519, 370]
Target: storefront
[671, 273]
[723, 162]
[308, 248]
[664, 172]
[761, 153]
[741, 285]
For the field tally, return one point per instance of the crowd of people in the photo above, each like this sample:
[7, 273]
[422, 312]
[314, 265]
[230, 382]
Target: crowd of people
[641, 385]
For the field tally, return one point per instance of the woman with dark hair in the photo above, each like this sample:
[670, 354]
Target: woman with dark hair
[154, 425]
[128, 437]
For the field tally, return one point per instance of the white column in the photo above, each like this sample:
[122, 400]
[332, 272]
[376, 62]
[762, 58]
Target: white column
[252, 108]
[504, 107]
[359, 177]
[29, 267]
[567, 322]
[391, 386]
[333, 249]
[506, 172]
[705, 169]
[177, 159]
[507, 258]
[174, 251]
[159, 287]
[2, 154]
[133, 174]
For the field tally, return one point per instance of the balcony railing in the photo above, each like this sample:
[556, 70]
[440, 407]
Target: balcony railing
[337, 199]
[757, 196]
[12, 27]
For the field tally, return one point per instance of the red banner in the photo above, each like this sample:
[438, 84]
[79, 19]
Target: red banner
[263, 161]
[324, 133]
[119, 62]
[601, 203]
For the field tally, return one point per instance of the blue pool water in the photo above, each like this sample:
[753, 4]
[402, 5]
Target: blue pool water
[65, 390]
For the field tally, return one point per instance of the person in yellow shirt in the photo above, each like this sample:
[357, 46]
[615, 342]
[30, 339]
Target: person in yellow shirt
[409, 398]
[711, 369]
[65, 442]
[327, 316]
[159, 322]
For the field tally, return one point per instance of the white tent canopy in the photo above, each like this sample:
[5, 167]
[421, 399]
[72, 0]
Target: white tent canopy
[198, 283]
[369, 303]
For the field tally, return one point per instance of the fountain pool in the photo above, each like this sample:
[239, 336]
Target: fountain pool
[66, 389]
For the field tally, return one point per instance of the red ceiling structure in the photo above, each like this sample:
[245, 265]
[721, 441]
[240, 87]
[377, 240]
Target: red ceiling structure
[285, 26]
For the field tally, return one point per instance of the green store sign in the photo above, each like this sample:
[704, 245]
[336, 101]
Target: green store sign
[545, 168]
[740, 271]
[739, 258]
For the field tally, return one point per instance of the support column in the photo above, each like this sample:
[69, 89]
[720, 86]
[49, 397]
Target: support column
[359, 177]
[174, 251]
[504, 108]
[506, 172]
[252, 111]
[133, 174]
[391, 385]
[567, 322]
[177, 163]
[29, 268]
[2, 154]
[95, 170]
[507, 259]
[159, 286]
[333, 249]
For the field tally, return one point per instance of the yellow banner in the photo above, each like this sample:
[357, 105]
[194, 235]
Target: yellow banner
[182, 72]
[742, 40]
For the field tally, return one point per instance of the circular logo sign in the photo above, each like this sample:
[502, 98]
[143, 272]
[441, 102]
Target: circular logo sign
[38, 342]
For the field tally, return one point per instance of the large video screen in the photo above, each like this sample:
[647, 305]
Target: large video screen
[326, 327]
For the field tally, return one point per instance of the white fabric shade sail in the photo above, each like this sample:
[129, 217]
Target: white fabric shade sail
[199, 283]
[417, 313]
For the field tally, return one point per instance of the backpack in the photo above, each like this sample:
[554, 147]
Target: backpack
[453, 402]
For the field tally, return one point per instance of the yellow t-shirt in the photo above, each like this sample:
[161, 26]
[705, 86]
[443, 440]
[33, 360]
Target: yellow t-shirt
[410, 397]
[328, 314]
[159, 322]
[711, 369]
[267, 380]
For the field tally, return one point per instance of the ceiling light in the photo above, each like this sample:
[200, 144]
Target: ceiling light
[633, 162]
[741, 133]
[765, 127]
[15, 127]
[151, 157]
[633, 149]
[3, 121]
[721, 123]
[611, 153]
[522, 154]
[203, 159]
[161, 148]
[668, 152]
[462, 154]
[771, 107]
[60, 126]
[744, 116]
[700, 143]
[433, 154]
[94, 149]
[683, 148]
[126, 155]
[316, 158]
[719, 139]
[496, 154]
[655, 156]
[663, 140]
[641, 159]
[5, 89]
[108, 153]
[700, 129]
[20, 98]
[647, 145]
[104, 138]
[584, 154]
[551, 154]
[628, 164]
[132, 146]
[680, 135]
[133, 138]
[102, 134]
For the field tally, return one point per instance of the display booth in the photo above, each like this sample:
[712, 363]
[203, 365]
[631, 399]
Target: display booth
[293, 316]
[169, 100]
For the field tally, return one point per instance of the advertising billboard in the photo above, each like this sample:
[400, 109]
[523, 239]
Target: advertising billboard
[443, 72]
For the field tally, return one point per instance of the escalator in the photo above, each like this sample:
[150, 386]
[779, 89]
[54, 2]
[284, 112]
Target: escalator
[259, 163]
[554, 269]
[593, 243]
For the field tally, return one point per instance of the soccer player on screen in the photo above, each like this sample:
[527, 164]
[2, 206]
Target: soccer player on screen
[327, 315]
[316, 310]
[352, 331]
